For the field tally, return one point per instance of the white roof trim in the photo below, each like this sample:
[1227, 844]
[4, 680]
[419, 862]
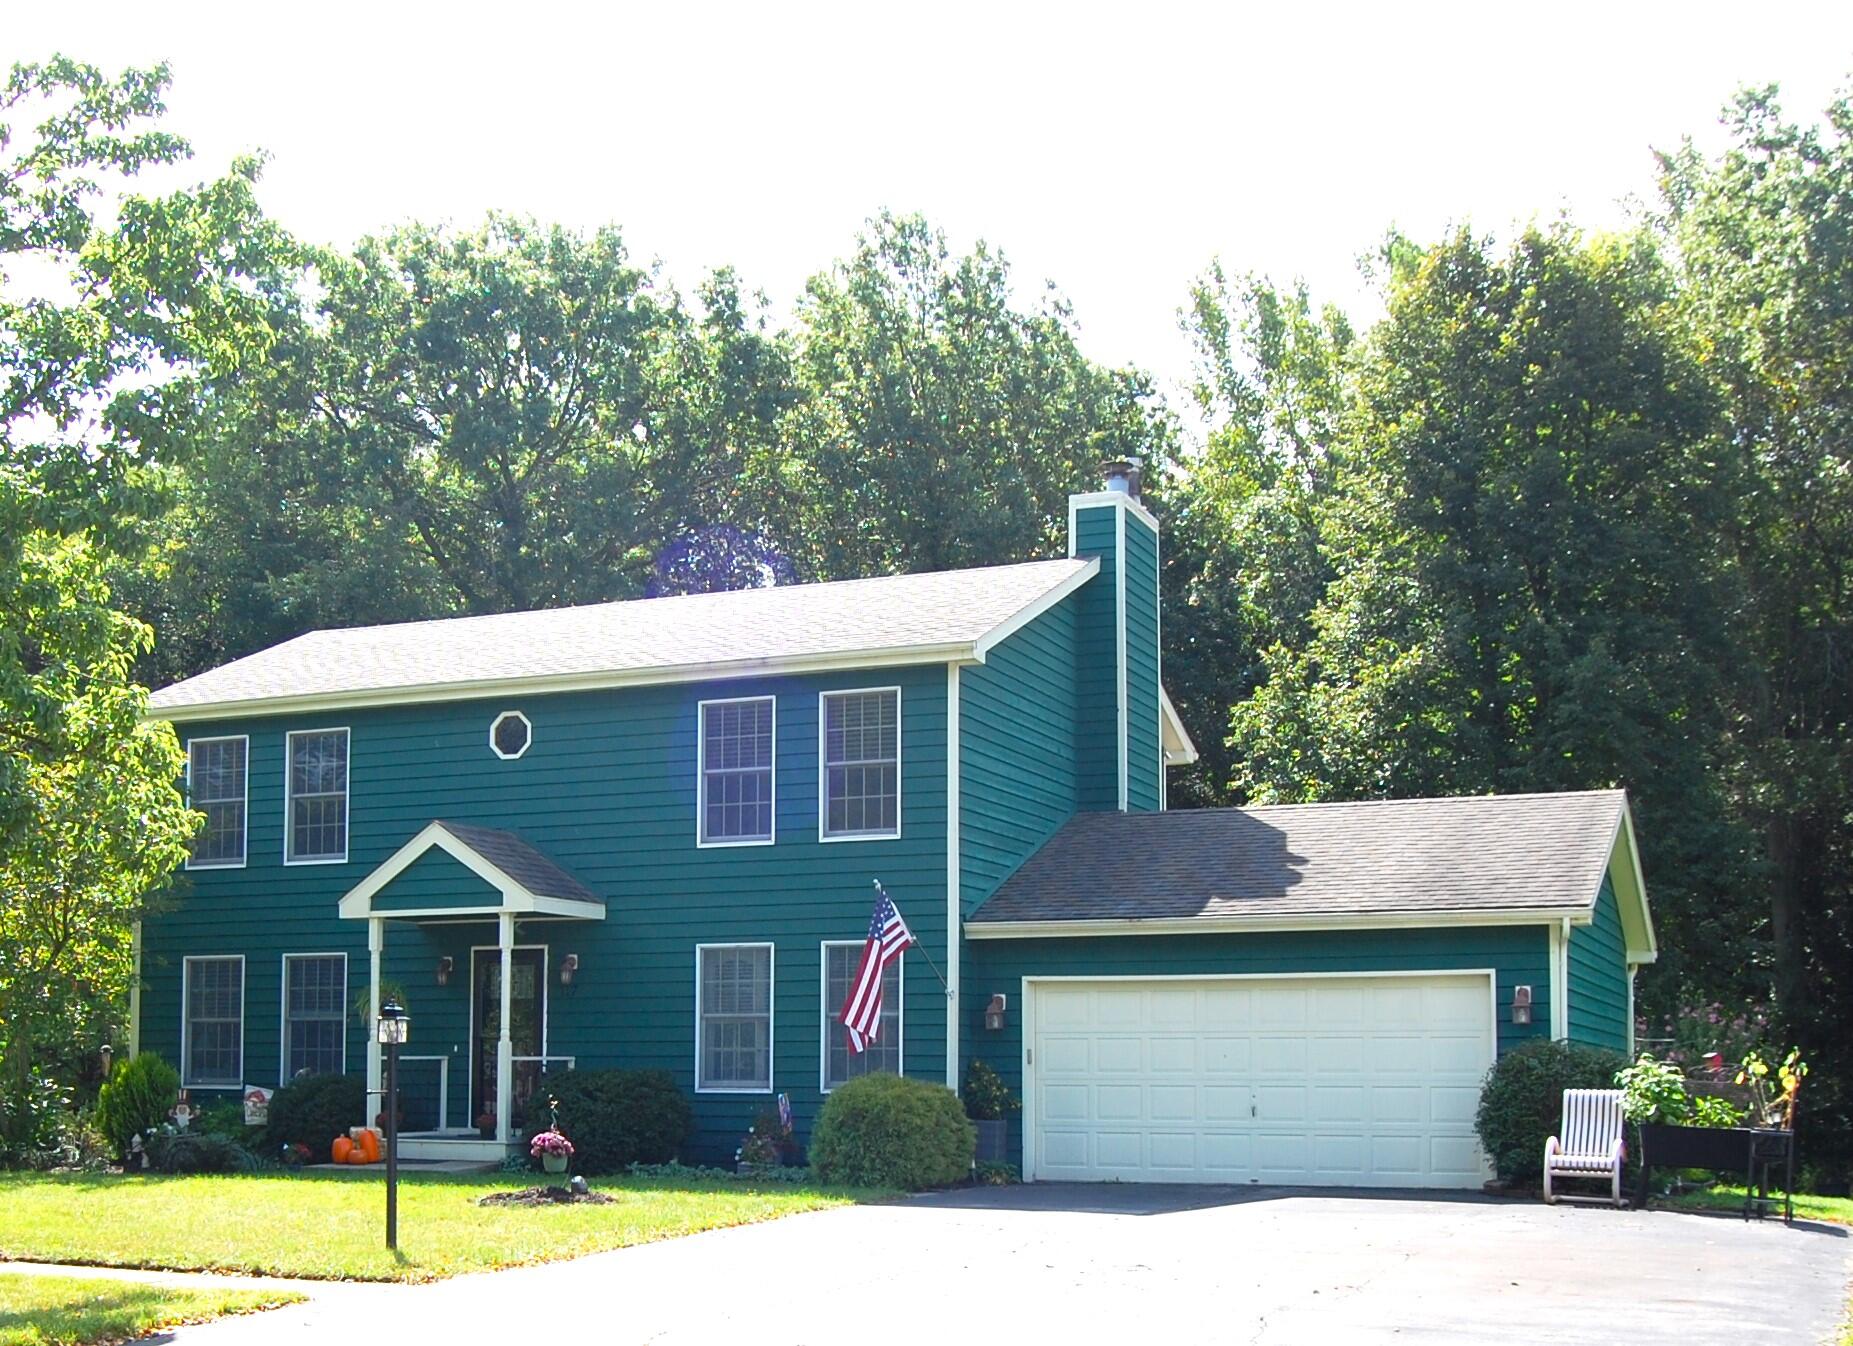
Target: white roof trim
[1179, 750]
[1032, 610]
[516, 897]
[1630, 891]
[1242, 925]
[1091, 499]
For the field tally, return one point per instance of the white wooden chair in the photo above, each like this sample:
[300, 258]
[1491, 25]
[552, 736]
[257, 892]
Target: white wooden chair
[1592, 1145]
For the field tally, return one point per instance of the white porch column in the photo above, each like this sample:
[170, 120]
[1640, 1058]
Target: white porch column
[504, 1044]
[376, 941]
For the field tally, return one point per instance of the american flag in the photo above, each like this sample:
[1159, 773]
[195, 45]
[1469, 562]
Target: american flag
[888, 940]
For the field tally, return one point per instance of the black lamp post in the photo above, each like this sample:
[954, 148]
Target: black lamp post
[394, 1024]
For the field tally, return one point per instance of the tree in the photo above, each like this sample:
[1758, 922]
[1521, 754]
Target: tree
[1764, 243]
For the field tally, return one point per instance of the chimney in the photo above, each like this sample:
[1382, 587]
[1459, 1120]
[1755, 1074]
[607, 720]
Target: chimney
[1122, 475]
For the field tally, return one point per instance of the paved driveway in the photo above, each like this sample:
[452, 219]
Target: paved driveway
[1143, 1264]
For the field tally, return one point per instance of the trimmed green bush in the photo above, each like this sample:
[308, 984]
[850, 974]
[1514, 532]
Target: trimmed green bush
[615, 1118]
[135, 1099]
[190, 1152]
[1521, 1102]
[313, 1110]
[886, 1131]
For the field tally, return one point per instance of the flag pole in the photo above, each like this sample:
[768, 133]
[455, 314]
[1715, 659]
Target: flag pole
[922, 949]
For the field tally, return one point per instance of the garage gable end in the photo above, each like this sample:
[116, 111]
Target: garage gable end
[1623, 877]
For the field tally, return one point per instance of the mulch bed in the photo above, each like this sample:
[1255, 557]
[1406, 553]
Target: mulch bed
[545, 1196]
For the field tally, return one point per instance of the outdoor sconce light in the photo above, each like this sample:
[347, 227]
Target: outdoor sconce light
[569, 968]
[1521, 1004]
[994, 1014]
[106, 1055]
[445, 964]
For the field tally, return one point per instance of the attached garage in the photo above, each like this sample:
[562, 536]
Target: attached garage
[1306, 996]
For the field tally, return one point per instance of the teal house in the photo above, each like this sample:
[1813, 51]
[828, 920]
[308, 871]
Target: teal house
[648, 834]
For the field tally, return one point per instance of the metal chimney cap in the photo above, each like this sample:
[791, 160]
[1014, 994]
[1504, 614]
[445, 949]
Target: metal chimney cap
[1122, 475]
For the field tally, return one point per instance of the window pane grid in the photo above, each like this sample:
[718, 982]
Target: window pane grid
[315, 1014]
[216, 787]
[736, 778]
[862, 763]
[884, 1053]
[215, 1019]
[736, 1018]
[318, 796]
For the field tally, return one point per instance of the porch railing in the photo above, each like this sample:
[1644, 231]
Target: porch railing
[422, 1105]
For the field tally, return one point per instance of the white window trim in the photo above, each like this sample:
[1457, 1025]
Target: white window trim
[495, 747]
[283, 1012]
[701, 774]
[823, 768]
[244, 839]
[186, 1019]
[830, 1011]
[289, 771]
[772, 983]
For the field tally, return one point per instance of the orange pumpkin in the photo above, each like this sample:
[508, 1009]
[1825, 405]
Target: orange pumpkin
[354, 1156]
[370, 1146]
[342, 1147]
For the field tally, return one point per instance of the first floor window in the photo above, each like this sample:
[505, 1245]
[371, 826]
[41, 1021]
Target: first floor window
[314, 1015]
[736, 771]
[862, 763]
[216, 787]
[317, 796]
[213, 1052]
[733, 1017]
[841, 962]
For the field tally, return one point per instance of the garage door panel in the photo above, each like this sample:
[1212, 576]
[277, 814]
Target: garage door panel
[1353, 1081]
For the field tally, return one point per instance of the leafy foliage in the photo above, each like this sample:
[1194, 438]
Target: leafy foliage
[616, 1118]
[197, 1152]
[136, 1099]
[313, 1110]
[1521, 1102]
[987, 1097]
[890, 1131]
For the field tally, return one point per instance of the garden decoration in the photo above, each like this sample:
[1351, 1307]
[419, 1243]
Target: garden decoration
[550, 1147]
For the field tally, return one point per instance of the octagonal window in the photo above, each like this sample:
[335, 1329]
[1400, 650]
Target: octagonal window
[510, 735]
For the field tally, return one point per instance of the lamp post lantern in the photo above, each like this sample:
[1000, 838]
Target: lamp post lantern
[393, 1025]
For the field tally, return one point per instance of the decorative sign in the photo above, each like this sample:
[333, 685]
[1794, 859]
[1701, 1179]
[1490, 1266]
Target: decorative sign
[182, 1112]
[256, 1105]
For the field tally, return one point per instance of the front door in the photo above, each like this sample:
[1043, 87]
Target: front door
[527, 1015]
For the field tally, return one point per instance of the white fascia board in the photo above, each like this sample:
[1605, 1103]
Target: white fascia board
[1032, 610]
[1173, 728]
[1649, 949]
[357, 904]
[1243, 925]
[428, 693]
[1091, 499]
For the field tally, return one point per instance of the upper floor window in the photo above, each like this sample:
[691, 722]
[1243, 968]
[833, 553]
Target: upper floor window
[736, 772]
[216, 787]
[861, 754]
[314, 1014]
[317, 807]
[212, 1037]
[841, 964]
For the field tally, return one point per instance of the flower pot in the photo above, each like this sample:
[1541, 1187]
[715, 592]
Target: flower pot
[993, 1141]
[553, 1163]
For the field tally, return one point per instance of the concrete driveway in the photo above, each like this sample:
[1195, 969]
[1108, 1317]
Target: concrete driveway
[1143, 1264]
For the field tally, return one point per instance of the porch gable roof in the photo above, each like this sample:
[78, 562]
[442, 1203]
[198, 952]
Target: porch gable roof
[525, 880]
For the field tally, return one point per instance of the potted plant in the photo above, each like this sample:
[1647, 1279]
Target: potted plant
[485, 1122]
[553, 1150]
[989, 1103]
[767, 1144]
[1682, 1129]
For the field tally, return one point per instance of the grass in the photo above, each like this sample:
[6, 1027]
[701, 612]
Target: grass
[77, 1311]
[1833, 1209]
[332, 1226]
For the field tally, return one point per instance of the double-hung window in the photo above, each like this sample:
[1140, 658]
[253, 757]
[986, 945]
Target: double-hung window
[841, 963]
[216, 787]
[317, 831]
[733, 1018]
[861, 764]
[212, 1041]
[314, 1014]
[736, 804]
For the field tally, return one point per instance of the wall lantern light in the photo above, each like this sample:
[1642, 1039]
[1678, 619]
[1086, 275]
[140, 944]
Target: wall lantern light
[569, 968]
[445, 965]
[994, 1014]
[1521, 1004]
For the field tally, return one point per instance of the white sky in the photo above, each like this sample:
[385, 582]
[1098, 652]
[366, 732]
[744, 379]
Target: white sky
[1114, 151]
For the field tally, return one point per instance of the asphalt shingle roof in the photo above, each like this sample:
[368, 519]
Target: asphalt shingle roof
[1382, 858]
[845, 618]
[520, 861]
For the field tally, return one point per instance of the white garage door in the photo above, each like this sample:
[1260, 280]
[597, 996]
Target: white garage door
[1331, 1081]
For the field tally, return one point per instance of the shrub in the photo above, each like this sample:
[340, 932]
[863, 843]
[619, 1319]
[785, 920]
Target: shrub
[32, 1115]
[135, 1099]
[312, 1110]
[886, 1131]
[193, 1152]
[616, 1118]
[987, 1097]
[1521, 1102]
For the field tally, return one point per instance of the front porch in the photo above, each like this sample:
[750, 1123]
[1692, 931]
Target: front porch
[447, 879]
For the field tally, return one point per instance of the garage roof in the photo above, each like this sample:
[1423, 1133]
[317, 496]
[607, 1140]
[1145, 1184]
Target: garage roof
[1462, 860]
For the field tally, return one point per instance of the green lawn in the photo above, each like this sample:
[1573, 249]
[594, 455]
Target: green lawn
[1834, 1209]
[331, 1226]
[75, 1311]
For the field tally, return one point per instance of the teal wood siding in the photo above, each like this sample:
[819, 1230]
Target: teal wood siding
[1144, 764]
[1519, 955]
[608, 791]
[1017, 773]
[436, 879]
[1598, 1008]
[1097, 661]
